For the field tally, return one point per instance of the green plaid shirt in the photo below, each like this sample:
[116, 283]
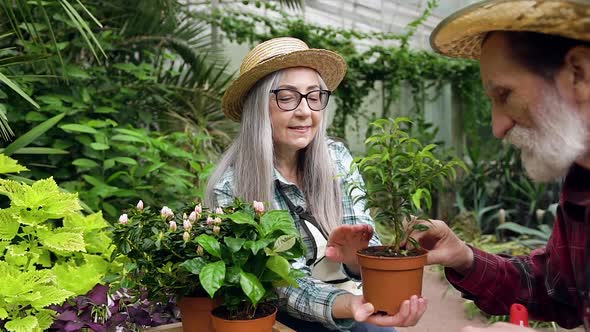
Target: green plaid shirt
[313, 300]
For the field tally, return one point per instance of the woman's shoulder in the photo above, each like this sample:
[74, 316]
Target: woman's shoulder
[338, 149]
[226, 180]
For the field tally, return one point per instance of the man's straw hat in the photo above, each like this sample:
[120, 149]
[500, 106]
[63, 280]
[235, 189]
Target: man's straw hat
[276, 54]
[461, 34]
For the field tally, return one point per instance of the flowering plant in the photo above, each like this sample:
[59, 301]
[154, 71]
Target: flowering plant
[238, 253]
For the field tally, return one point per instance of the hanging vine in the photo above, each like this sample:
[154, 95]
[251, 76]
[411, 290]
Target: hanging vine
[394, 66]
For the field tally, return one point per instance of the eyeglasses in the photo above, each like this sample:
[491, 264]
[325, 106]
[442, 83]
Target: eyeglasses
[288, 100]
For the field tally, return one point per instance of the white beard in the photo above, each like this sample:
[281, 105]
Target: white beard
[558, 139]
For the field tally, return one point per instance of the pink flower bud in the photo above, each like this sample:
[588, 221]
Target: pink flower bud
[139, 205]
[166, 213]
[217, 221]
[258, 207]
[216, 230]
[193, 216]
[219, 210]
[210, 221]
[198, 209]
[187, 224]
[199, 251]
[173, 226]
[123, 219]
[186, 236]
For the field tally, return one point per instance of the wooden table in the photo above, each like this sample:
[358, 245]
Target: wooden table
[177, 327]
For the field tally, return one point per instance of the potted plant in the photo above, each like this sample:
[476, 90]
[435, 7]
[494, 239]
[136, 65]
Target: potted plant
[248, 253]
[237, 253]
[49, 251]
[400, 174]
[160, 258]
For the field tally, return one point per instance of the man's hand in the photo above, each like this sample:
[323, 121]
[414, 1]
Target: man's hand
[348, 305]
[345, 240]
[498, 327]
[444, 247]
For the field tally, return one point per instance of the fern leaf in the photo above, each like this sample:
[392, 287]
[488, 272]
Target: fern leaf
[25, 324]
[9, 165]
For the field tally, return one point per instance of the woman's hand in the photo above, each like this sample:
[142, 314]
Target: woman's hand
[345, 241]
[498, 327]
[348, 305]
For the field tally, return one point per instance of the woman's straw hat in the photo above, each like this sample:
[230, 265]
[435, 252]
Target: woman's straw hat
[276, 54]
[461, 34]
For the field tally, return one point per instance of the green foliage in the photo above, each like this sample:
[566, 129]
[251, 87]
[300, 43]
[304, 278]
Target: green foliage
[144, 123]
[237, 253]
[400, 176]
[48, 250]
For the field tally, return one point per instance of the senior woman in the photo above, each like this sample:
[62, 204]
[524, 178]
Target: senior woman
[283, 156]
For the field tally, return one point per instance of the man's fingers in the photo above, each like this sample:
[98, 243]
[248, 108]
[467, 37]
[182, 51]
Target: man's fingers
[363, 312]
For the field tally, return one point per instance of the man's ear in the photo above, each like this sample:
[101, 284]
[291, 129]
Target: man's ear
[577, 70]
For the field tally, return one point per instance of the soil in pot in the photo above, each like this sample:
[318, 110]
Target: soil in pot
[389, 278]
[388, 251]
[263, 320]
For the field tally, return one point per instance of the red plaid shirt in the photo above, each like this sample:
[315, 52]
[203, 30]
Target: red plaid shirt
[550, 281]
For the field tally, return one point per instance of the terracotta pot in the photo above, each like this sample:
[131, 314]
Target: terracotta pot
[263, 324]
[388, 281]
[195, 313]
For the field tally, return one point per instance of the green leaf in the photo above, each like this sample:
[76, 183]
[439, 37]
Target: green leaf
[416, 197]
[11, 84]
[99, 146]
[210, 244]
[233, 243]
[278, 220]
[62, 241]
[242, 218]
[256, 246]
[78, 128]
[284, 243]
[3, 313]
[32, 134]
[9, 165]
[8, 225]
[25, 324]
[51, 295]
[251, 287]
[83, 162]
[127, 138]
[194, 265]
[212, 276]
[126, 161]
[279, 265]
[232, 275]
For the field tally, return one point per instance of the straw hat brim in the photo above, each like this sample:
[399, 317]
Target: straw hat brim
[328, 64]
[460, 35]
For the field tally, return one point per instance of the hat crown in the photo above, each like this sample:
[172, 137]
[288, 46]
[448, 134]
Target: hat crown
[271, 49]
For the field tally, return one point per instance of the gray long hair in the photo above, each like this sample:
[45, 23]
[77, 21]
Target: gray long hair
[252, 157]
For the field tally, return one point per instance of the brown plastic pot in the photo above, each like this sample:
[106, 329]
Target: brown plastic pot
[388, 281]
[263, 324]
[195, 313]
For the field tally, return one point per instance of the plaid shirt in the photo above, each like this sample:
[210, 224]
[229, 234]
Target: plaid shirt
[550, 281]
[313, 300]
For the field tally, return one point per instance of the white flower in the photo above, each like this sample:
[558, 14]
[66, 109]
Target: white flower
[123, 219]
[216, 230]
[139, 205]
[186, 236]
[217, 221]
[198, 209]
[210, 221]
[166, 212]
[199, 251]
[193, 216]
[219, 210]
[173, 226]
[258, 207]
[187, 224]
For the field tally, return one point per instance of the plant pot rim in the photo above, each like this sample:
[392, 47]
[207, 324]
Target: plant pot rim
[421, 250]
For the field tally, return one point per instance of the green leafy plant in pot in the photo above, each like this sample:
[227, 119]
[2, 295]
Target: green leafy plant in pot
[248, 253]
[160, 256]
[400, 174]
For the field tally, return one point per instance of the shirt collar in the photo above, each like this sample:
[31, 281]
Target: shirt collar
[576, 187]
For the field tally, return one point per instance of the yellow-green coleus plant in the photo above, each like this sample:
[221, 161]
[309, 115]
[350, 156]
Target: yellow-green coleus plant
[49, 251]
